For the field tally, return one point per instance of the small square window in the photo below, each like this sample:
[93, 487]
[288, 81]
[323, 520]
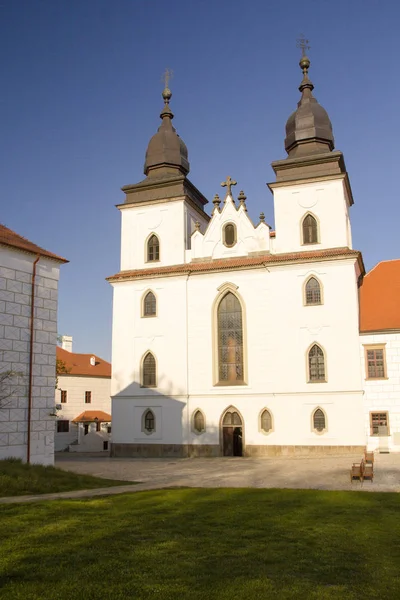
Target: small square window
[379, 422]
[62, 426]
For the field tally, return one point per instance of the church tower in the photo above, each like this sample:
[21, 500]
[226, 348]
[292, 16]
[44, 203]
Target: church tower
[312, 193]
[160, 212]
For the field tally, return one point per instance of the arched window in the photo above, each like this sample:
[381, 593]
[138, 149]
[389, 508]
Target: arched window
[149, 421]
[229, 235]
[310, 230]
[198, 421]
[230, 341]
[266, 421]
[153, 248]
[149, 305]
[149, 375]
[313, 292]
[319, 422]
[232, 419]
[316, 364]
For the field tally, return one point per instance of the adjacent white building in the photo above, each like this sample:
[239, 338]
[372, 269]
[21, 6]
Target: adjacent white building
[83, 401]
[230, 338]
[28, 334]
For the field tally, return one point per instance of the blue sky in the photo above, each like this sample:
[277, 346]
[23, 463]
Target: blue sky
[81, 96]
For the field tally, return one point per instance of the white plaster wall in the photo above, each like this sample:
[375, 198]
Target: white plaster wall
[76, 386]
[279, 330]
[325, 200]
[168, 221]
[383, 394]
[15, 308]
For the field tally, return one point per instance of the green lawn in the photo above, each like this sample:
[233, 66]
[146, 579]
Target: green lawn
[19, 479]
[241, 544]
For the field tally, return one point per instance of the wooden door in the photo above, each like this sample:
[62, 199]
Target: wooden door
[227, 442]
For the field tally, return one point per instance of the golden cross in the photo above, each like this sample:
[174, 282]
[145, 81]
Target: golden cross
[167, 76]
[228, 184]
[303, 43]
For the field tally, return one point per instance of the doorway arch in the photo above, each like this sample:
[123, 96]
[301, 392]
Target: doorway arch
[232, 432]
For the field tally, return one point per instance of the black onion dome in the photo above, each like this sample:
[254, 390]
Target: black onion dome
[166, 149]
[308, 129]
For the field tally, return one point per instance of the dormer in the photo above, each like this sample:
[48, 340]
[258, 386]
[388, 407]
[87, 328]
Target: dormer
[230, 232]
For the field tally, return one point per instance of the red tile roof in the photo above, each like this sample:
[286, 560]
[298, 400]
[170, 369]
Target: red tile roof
[380, 297]
[89, 416]
[241, 262]
[8, 237]
[79, 364]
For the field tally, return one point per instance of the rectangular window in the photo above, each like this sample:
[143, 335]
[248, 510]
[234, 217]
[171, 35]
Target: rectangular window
[375, 362]
[62, 426]
[98, 426]
[86, 428]
[88, 397]
[63, 396]
[379, 423]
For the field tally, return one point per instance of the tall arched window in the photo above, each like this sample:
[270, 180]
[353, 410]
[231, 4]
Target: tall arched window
[316, 364]
[149, 421]
[149, 374]
[266, 421]
[198, 421]
[153, 248]
[230, 341]
[149, 305]
[319, 421]
[313, 292]
[229, 236]
[310, 230]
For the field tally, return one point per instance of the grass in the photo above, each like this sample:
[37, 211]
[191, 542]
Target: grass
[200, 544]
[19, 479]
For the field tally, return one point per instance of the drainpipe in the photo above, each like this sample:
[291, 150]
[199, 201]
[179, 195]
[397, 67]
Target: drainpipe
[28, 445]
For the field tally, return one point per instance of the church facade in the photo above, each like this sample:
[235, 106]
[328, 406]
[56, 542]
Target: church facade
[230, 338]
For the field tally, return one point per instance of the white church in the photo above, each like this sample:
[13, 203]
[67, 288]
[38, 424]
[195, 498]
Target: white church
[230, 339]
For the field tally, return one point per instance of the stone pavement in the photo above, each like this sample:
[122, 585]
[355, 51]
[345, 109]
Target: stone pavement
[320, 473]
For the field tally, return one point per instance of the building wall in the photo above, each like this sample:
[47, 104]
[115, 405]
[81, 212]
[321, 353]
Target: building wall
[278, 330]
[76, 386]
[326, 201]
[15, 309]
[383, 395]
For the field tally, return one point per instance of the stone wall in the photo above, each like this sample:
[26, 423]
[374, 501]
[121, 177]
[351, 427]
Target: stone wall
[15, 310]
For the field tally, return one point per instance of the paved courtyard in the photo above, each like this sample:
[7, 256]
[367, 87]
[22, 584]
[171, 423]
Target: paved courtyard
[327, 473]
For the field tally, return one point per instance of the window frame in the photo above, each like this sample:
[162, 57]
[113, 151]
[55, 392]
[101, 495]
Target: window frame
[234, 234]
[375, 347]
[144, 418]
[309, 380]
[88, 397]
[313, 428]
[197, 431]
[224, 290]
[142, 384]
[63, 421]
[321, 302]
[378, 412]
[63, 396]
[260, 427]
[318, 240]
[147, 248]
[152, 316]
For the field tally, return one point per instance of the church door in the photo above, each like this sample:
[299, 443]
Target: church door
[232, 433]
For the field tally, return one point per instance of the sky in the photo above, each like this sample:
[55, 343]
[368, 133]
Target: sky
[81, 96]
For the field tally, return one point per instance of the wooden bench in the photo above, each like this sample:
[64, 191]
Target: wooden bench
[369, 457]
[356, 471]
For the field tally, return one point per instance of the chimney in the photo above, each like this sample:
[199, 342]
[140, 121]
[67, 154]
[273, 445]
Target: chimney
[66, 342]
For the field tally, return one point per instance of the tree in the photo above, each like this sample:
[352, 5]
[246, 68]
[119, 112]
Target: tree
[61, 369]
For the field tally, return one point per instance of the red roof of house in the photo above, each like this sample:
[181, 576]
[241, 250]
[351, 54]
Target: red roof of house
[240, 262]
[79, 364]
[89, 416]
[380, 297]
[8, 237]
